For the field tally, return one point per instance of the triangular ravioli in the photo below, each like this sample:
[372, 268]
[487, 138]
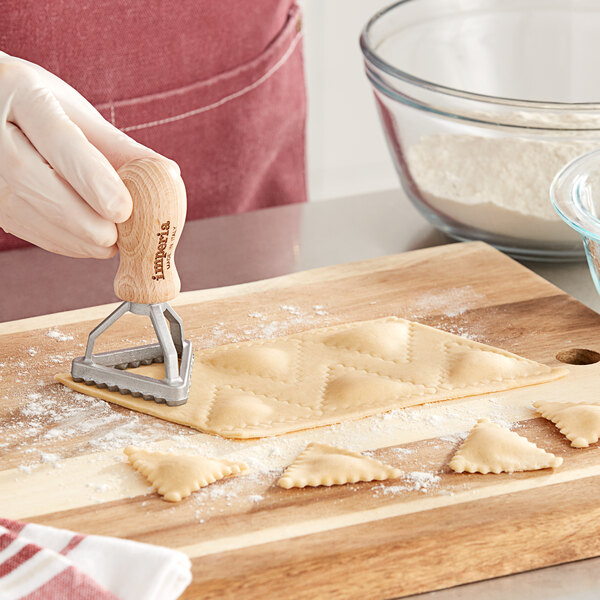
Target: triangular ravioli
[176, 476]
[321, 464]
[578, 422]
[387, 340]
[475, 365]
[236, 409]
[262, 360]
[490, 448]
[355, 388]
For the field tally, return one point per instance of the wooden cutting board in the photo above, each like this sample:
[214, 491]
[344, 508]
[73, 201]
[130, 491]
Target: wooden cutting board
[369, 540]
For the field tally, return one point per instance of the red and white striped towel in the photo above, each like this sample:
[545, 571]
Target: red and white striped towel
[44, 563]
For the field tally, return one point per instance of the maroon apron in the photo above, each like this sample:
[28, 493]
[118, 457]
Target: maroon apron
[216, 85]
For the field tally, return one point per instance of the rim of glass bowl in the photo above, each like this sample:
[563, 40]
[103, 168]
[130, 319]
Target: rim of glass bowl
[566, 194]
[371, 55]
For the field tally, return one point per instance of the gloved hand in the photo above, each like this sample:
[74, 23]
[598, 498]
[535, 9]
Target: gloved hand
[58, 158]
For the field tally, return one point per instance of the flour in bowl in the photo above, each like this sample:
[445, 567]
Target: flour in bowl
[498, 185]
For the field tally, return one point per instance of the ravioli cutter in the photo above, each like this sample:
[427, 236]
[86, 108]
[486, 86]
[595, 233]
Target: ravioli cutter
[146, 280]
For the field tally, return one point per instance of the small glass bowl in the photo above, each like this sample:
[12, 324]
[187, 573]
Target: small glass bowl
[482, 102]
[575, 194]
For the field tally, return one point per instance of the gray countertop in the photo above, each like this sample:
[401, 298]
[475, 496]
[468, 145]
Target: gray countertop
[240, 248]
[248, 247]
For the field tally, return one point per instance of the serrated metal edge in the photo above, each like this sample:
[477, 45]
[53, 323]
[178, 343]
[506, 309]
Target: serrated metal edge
[115, 388]
[136, 363]
[128, 392]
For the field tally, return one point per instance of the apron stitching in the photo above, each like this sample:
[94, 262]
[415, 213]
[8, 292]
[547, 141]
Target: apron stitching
[112, 114]
[272, 49]
[225, 99]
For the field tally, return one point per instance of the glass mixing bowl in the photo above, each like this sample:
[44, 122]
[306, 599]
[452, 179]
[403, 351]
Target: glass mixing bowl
[482, 102]
[575, 194]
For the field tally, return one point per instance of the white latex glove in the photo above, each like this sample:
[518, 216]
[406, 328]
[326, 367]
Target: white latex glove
[58, 158]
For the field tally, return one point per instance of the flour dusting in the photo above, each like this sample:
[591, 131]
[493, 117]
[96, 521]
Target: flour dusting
[422, 480]
[58, 336]
[292, 319]
[417, 481]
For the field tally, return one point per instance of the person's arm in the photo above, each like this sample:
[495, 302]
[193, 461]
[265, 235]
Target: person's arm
[59, 188]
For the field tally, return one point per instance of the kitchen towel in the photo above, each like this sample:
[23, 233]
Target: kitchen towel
[44, 563]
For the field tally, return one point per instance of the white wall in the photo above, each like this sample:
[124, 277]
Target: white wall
[346, 150]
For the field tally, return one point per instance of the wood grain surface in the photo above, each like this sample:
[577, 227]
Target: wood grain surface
[356, 541]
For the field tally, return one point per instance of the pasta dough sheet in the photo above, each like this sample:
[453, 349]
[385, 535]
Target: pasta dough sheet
[324, 376]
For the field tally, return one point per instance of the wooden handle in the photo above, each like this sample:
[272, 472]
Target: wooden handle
[147, 240]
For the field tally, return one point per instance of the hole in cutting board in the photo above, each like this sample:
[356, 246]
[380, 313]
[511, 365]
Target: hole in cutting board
[578, 356]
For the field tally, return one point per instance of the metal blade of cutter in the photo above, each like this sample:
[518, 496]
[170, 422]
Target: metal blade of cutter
[107, 369]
